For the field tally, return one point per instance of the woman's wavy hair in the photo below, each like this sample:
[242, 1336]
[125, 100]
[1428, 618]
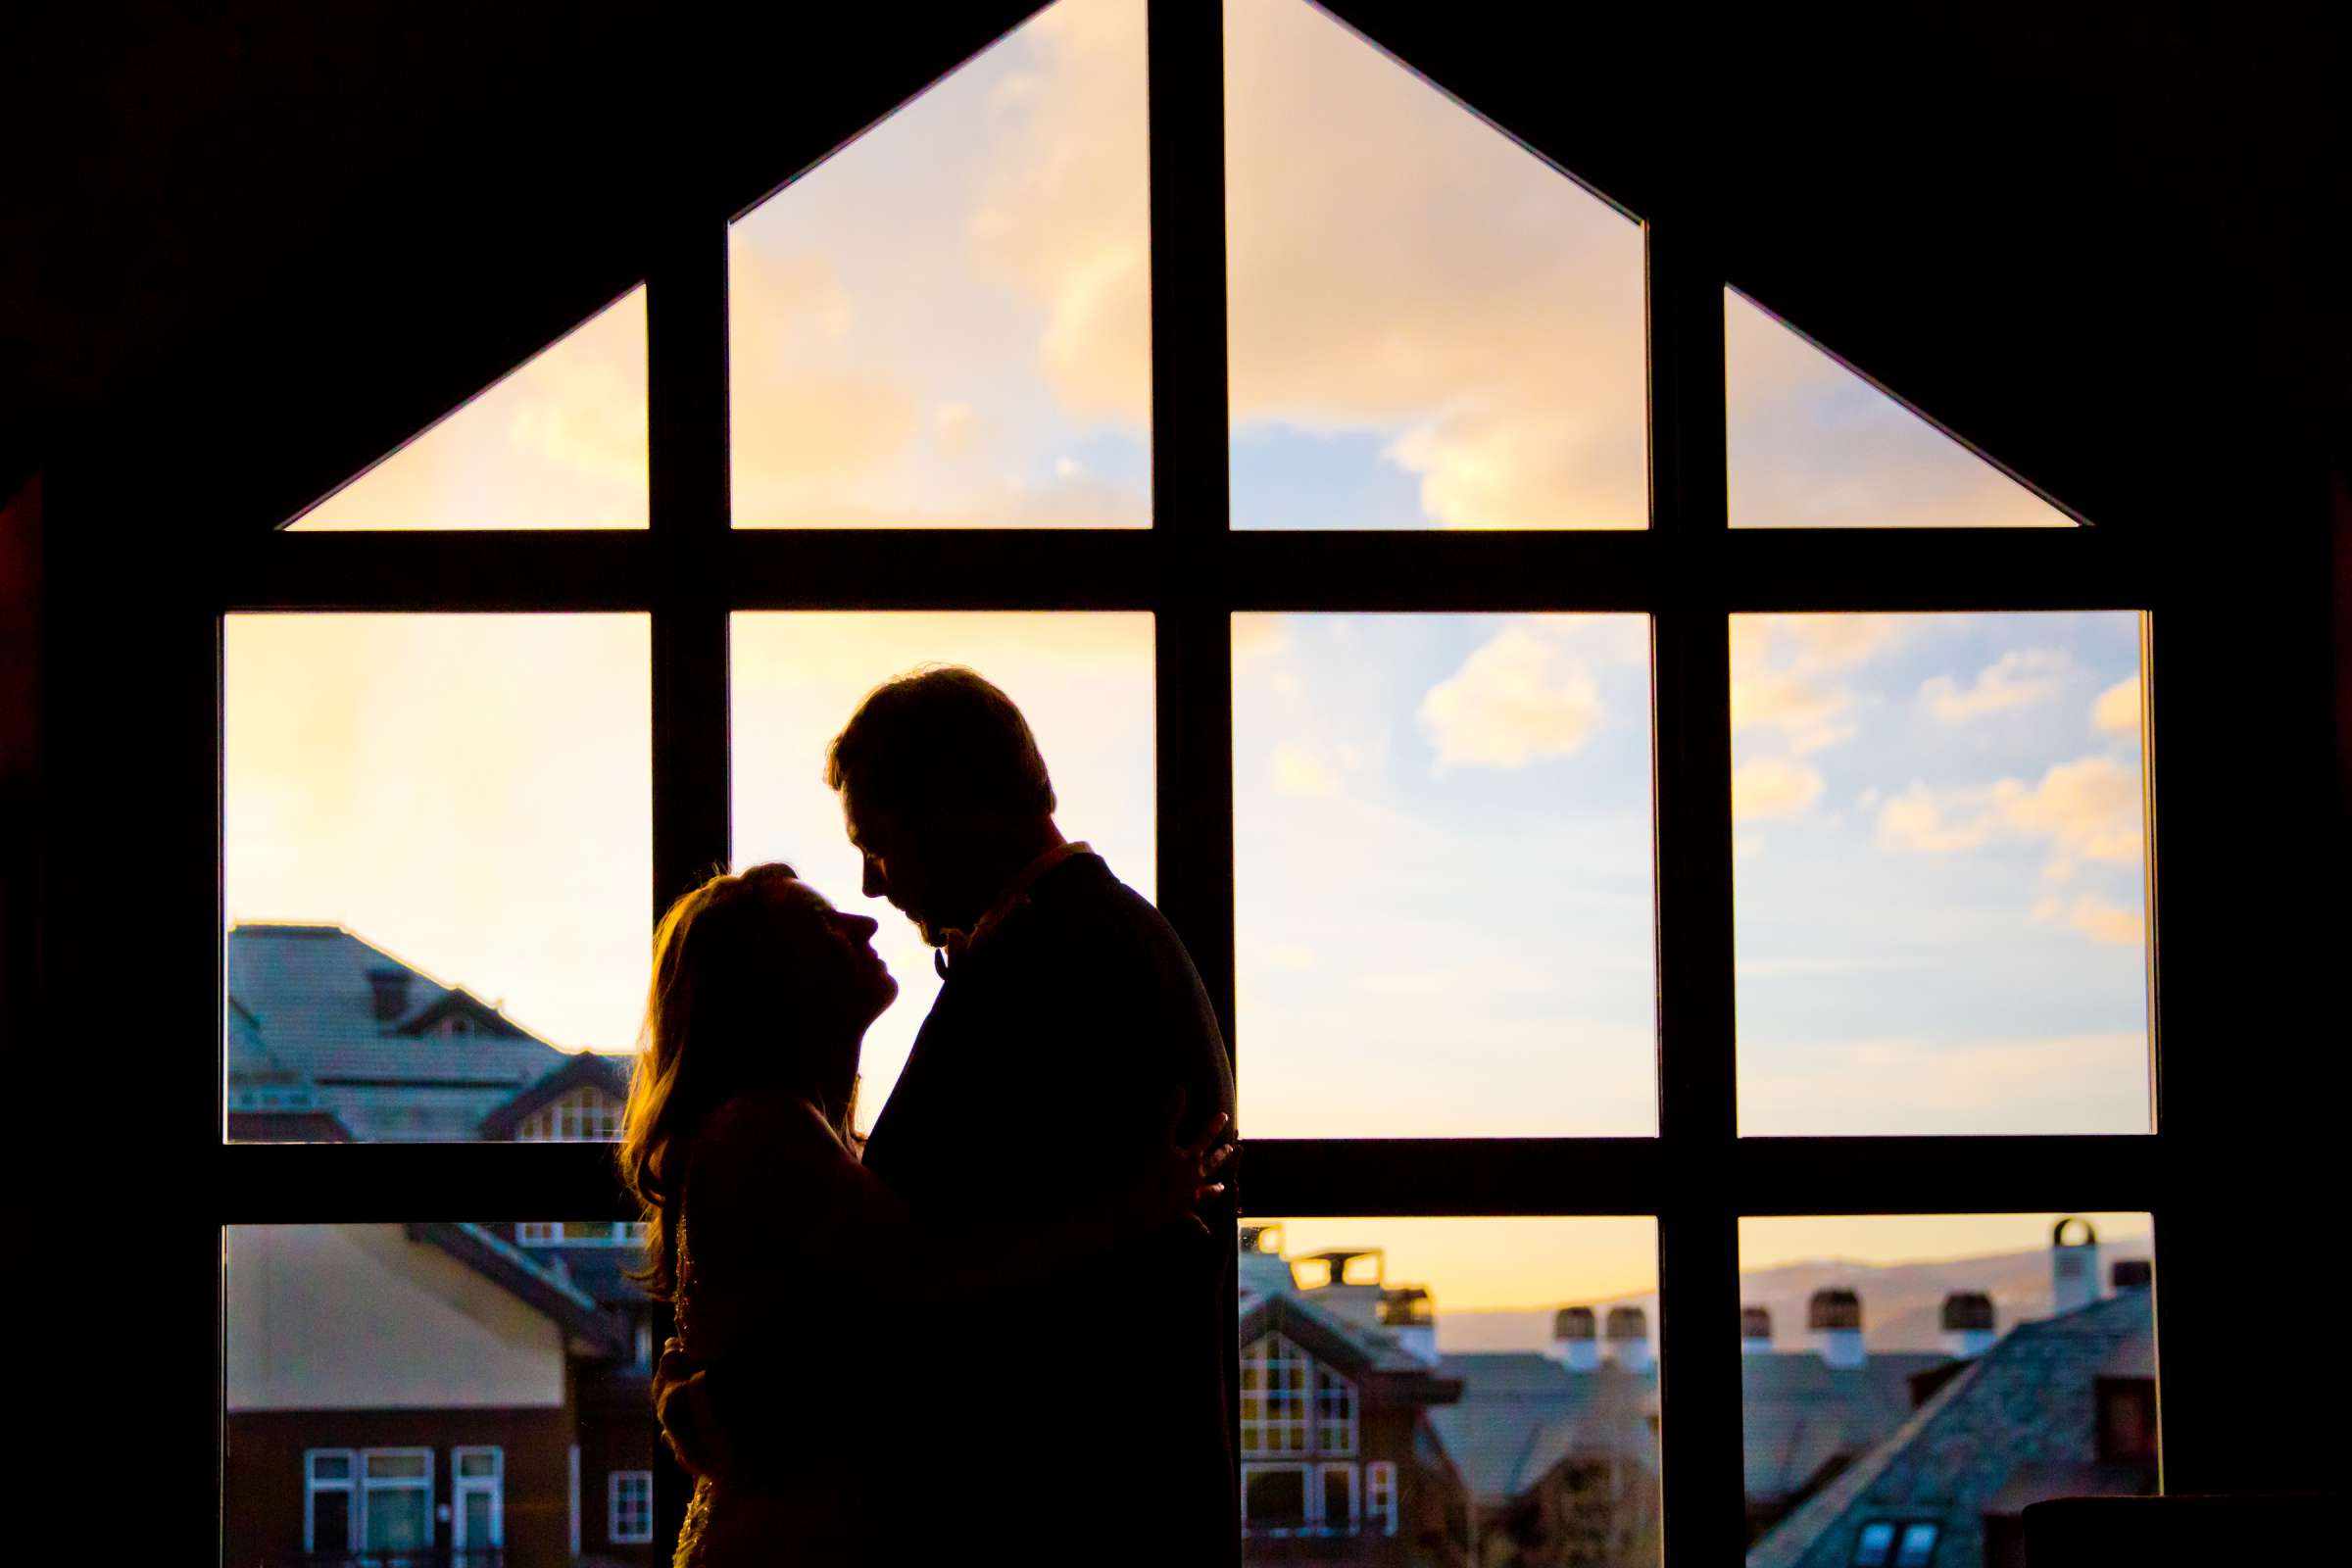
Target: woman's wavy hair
[721, 985]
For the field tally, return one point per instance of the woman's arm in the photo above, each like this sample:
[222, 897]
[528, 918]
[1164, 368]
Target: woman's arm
[793, 1209]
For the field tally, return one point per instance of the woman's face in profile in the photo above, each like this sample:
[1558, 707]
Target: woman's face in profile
[833, 952]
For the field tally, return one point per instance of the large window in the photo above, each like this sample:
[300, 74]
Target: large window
[1548, 846]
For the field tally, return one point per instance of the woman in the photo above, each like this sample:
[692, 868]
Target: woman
[766, 1231]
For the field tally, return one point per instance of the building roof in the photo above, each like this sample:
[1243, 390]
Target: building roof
[2020, 1419]
[304, 1024]
[1521, 1413]
[586, 1069]
[1799, 1414]
[589, 1328]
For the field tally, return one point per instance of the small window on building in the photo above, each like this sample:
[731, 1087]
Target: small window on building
[1335, 1413]
[2128, 1420]
[539, 1232]
[396, 1500]
[1380, 1495]
[1875, 1546]
[1274, 1499]
[630, 1500]
[580, 1117]
[1918, 1548]
[1276, 1376]
[328, 1512]
[1339, 1514]
[477, 1477]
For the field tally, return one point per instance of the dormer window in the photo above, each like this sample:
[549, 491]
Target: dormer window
[579, 1116]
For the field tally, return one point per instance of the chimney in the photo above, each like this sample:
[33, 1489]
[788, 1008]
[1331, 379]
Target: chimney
[1264, 1270]
[1968, 1324]
[1629, 1338]
[2073, 1265]
[1755, 1330]
[2131, 1273]
[1573, 1341]
[388, 989]
[1833, 1321]
[1409, 1312]
[1355, 1301]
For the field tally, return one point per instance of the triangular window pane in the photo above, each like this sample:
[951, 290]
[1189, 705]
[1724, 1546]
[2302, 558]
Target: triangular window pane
[1813, 445]
[1430, 325]
[948, 324]
[557, 443]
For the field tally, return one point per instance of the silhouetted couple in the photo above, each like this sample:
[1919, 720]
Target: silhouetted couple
[1000, 1334]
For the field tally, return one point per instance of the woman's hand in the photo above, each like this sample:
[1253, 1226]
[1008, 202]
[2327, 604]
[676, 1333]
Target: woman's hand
[1183, 1176]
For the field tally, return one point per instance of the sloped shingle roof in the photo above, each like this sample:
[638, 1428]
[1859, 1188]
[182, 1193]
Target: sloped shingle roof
[1798, 1412]
[2026, 1408]
[309, 1017]
[1522, 1413]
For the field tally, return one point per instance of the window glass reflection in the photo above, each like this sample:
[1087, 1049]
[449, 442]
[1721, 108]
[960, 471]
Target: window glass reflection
[1441, 875]
[1941, 912]
[1416, 1388]
[1911, 1383]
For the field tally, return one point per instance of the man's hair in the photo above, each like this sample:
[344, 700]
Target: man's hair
[940, 741]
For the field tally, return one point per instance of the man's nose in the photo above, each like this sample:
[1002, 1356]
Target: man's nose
[874, 886]
[862, 927]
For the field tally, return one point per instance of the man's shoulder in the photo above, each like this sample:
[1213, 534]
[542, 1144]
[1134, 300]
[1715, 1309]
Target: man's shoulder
[1084, 891]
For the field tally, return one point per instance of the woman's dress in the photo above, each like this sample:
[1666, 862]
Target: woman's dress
[795, 1493]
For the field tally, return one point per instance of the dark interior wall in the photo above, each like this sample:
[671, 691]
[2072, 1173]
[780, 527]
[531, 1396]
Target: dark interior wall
[260, 242]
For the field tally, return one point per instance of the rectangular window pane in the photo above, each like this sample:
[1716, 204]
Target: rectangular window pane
[948, 322]
[437, 848]
[1925, 1377]
[1431, 325]
[456, 1371]
[1083, 681]
[1940, 876]
[1498, 1378]
[330, 1519]
[1443, 875]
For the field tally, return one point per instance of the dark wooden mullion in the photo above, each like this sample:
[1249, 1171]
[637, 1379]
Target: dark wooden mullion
[1187, 547]
[317, 1183]
[1192, 625]
[1698, 1233]
[687, 448]
[1183, 561]
[686, 360]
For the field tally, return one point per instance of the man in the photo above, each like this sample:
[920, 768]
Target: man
[1081, 1419]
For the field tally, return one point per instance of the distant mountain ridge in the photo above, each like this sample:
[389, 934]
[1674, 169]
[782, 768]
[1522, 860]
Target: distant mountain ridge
[1902, 1303]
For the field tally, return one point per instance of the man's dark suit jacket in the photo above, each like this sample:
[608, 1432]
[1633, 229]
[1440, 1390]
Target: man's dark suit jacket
[1084, 1418]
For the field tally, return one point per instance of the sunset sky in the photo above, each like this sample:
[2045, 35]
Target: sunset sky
[1442, 823]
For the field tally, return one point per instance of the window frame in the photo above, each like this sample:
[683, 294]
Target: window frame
[311, 1486]
[615, 1482]
[460, 1485]
[370, 1486]
[1689, 571]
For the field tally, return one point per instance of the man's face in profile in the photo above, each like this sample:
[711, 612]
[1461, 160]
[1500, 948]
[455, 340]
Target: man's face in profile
[896, 867]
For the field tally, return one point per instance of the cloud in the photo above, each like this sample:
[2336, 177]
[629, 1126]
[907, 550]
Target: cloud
[2088, 810]
[2117, 709]
[2095, 917]
[1787, 669]
[1516, 700]
[1770, 786]
[2016, 679]
[1920, 821]
[1297, 772]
